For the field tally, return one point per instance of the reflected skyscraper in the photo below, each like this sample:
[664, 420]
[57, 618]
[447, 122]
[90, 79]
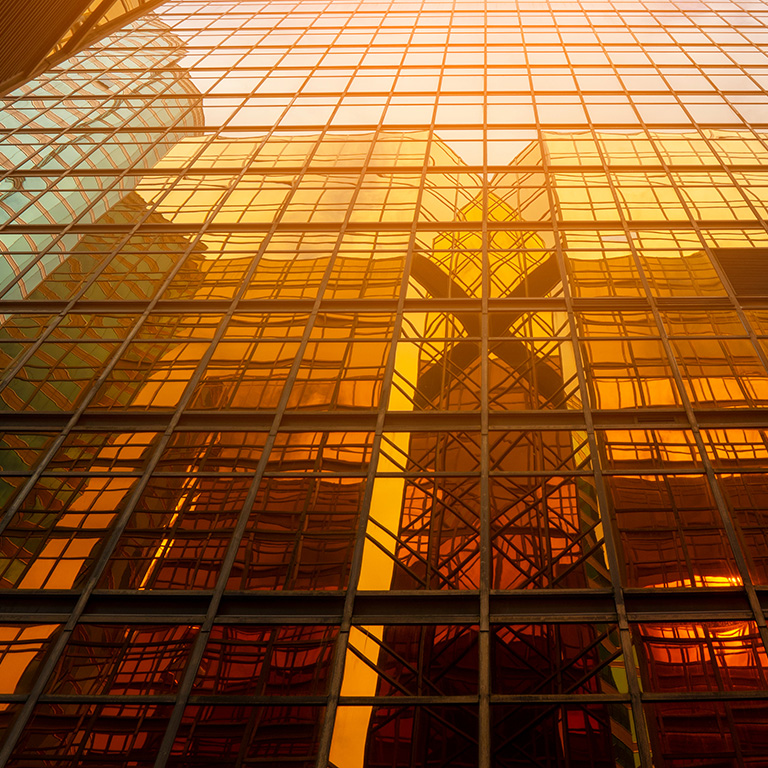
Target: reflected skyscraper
[35, 35]
[91, 114]
[404, 406]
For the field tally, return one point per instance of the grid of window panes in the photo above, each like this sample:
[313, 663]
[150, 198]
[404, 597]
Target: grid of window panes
[384, 385]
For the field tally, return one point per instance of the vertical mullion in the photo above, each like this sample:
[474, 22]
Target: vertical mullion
[484, 648]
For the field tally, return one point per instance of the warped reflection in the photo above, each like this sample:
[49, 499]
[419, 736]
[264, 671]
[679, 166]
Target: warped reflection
[365, 439]
[422, 527]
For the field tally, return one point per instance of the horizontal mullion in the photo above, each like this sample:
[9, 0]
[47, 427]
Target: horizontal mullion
[374, 608]
[420, 226]
[426, 304]
[200, 170]
[405, 421]
[403, 700]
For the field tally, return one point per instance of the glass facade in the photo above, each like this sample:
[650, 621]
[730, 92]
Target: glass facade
[36, 35]
[383, 387]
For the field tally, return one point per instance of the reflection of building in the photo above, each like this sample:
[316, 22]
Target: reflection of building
[36, 34]
[69, 124]
[300, 534]
[351, 453]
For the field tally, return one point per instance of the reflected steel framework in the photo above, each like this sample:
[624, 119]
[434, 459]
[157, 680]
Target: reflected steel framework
[383, 386]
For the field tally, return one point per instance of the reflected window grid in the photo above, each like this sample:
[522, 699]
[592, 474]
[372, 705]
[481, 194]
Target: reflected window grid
[377, 367]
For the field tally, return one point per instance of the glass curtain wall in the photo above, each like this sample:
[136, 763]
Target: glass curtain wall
[383, 386]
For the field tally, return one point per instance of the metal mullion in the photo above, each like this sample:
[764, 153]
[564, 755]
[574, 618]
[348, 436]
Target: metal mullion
[405, 607]
[633, 683]
[485, 719]
[337, 670]
[636, 469]
[75, 129]
[697, 696]
[528, 420]
[57, 647]
[395, 700]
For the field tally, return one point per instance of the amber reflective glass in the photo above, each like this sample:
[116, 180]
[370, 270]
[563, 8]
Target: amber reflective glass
[379, 380]
[716, 655]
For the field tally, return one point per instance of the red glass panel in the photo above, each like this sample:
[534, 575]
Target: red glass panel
[108, 735]
[706, 656]
[556, 658]
[561, 736]
[118, 659]
[226, 734]
[281, 661]
[422, 737]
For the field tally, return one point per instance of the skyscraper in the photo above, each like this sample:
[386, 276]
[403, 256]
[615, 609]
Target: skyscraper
[38, 34]
[62, 132]
[406, 407]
